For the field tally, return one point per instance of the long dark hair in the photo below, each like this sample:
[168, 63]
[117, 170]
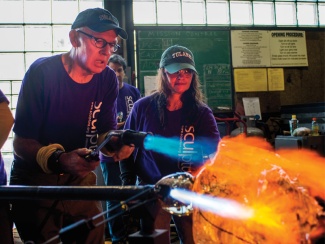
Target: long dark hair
[191, 99]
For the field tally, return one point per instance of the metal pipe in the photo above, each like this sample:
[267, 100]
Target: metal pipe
[102, 193]
[234, 119]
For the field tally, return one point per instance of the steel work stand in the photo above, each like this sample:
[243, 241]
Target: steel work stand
[148, 234]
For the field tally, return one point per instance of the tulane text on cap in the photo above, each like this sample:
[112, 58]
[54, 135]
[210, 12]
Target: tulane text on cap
[176, 58]
[182, 54]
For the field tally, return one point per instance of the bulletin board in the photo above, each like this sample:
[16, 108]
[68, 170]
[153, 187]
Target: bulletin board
[211, 50]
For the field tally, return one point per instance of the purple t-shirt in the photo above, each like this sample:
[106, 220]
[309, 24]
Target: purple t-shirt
[52, 108]
[127, 96]
[3, 174]
[151, 166]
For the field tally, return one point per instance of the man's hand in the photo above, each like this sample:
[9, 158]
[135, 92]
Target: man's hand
[123, 153]
[120, 125]
[74, 162]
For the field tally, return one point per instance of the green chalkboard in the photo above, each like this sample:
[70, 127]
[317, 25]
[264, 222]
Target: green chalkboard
[211, 49]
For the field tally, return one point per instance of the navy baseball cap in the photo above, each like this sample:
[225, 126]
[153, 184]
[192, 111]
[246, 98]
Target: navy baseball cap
[99, 20]
[176, 58]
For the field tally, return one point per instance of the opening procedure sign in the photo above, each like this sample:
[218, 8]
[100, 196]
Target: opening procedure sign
[255, 48]
[288, 48]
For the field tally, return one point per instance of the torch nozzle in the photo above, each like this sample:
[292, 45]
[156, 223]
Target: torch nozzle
[137, 138]
[117, 138]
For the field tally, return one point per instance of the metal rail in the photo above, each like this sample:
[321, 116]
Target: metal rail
[102, 193]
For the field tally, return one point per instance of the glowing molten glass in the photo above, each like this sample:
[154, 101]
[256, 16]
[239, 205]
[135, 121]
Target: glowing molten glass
[278, 187]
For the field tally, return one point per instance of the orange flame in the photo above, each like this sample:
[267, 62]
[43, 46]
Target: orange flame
[280, 187]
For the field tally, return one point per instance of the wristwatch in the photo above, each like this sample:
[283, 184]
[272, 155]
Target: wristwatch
[53, 162]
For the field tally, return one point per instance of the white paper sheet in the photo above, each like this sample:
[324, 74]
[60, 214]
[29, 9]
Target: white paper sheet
[252, 106]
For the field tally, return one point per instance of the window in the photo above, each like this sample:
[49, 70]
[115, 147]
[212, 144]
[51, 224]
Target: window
[241, 13]
[285, 13]
[27, 34]
[229, 12]
[263, 13]
[321, 13]
[193, 12]
[168, 12]
[144, 12]
[307, 14]
[217, 12]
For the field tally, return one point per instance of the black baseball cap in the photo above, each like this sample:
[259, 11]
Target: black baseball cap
[99, 20]
[176, 58]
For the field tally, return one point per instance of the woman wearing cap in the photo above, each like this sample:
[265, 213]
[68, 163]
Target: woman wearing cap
[176, 111]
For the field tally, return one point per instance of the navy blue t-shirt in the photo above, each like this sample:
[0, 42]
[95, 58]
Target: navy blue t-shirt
[52, 108]
[127, 96]
[150, 165]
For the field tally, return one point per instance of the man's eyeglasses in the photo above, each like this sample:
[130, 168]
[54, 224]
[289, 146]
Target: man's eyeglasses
[100, 42]
[183, 72]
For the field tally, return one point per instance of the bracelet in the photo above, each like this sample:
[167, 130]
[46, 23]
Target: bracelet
[53, 163]
[43, 158]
